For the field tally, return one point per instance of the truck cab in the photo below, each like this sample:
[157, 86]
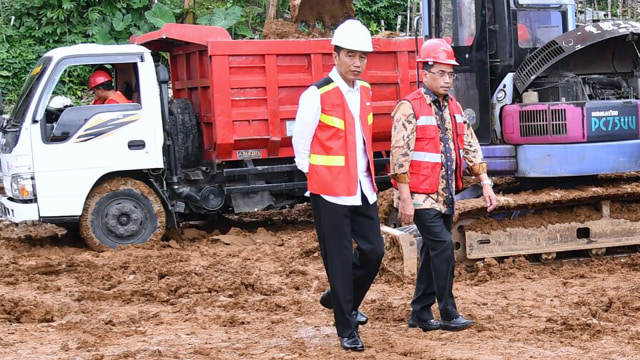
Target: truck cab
[54, 152]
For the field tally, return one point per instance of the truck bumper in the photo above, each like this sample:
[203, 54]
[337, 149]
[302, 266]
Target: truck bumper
[17, 212]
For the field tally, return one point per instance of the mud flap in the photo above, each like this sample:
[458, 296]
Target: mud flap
[254, 201]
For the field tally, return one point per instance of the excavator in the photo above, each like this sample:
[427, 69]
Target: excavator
[555, 107]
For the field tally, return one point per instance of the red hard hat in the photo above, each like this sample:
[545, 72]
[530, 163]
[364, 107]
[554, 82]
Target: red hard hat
[98, 77]
[523, 33]
[437, 51]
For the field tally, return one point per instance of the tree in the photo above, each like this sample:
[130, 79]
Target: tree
[190, 15]
[273, 9]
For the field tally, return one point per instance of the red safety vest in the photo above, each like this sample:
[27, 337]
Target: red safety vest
[333, 168]
[426, 159]
[116, 98]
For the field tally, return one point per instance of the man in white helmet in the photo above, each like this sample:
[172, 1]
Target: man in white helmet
[332, 141]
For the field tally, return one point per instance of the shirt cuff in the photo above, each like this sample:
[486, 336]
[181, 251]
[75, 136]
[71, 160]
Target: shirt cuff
[478, 169]
[401, 178]
[302, 165]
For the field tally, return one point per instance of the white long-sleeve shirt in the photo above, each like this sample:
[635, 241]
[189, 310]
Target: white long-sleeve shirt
[307, 119]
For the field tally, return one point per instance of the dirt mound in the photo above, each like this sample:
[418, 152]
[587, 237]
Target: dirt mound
[252, 293]
[281, 29]
[329, 12]
[385, 205]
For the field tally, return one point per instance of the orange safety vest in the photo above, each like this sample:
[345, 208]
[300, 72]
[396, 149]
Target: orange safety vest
[333, 168]
[426, 160]
[116, 98]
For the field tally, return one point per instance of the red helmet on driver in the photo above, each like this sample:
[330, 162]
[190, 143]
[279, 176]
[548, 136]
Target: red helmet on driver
[98, 77]
[437, 51]
[523, 33]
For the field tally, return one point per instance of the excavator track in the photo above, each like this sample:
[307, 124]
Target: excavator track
[592, 217]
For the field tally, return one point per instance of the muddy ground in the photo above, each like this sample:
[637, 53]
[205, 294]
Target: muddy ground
[253, 293]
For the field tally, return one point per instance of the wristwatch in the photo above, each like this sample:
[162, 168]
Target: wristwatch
[487, 182]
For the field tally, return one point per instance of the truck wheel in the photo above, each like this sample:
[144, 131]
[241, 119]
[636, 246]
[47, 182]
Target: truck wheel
[122, 211]
[189, 149]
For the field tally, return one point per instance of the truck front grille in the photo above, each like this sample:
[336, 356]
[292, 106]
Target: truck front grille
[543, 122]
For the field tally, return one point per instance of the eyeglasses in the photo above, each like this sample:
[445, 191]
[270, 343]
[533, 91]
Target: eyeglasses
[441, 74]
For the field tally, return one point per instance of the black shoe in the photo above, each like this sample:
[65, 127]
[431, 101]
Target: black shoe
[360, 317]
[353, 342]
[325, 301]
[456, 324]
[428, 325]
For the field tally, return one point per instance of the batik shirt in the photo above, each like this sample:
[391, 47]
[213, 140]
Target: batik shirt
[403, 139]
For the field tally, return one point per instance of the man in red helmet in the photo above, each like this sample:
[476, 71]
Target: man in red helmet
[524, 37]
[430, 139]
[100, 82]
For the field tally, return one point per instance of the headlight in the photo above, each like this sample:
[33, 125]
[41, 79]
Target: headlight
[22, 187]
[501, 95]
[471, 116]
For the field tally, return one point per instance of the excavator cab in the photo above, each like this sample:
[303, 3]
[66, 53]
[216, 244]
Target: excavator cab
[491, 39]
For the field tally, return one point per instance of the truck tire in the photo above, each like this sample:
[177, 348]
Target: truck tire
[189, 148]
[122, 211]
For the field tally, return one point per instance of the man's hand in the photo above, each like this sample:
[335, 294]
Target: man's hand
[405, 208]
[405, 211]
[490, 197]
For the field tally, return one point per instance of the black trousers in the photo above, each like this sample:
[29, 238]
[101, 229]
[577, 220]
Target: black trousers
[437, 265]
[350, 271]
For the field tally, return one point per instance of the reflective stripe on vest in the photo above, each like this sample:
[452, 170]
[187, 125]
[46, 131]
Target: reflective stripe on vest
[426, 157]
[426, 120]
[370, 115]
[332, 121]
[327, 160]
[333, 153]
[324, 89]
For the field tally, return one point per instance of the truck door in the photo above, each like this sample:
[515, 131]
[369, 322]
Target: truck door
[75, 143]
[464, 22]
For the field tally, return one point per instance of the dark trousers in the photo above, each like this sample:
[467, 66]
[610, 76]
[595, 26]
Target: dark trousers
[437, 265]
[350, 271]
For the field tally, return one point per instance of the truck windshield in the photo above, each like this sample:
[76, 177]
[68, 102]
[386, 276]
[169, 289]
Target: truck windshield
[458, 21]
[19, 112]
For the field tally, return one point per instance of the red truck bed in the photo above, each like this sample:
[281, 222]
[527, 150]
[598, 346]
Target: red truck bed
[245, 92]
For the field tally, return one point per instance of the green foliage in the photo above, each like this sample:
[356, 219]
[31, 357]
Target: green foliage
[160, 15]
[243, 19]
[29, 28]
[223, 18]
[371, 12]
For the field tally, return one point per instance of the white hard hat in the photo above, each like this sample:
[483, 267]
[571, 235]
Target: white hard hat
[352, 35]
[60, 102]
